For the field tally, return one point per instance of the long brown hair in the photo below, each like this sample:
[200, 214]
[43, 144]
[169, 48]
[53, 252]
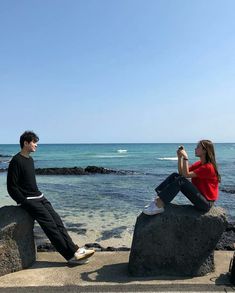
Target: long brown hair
[210, 155]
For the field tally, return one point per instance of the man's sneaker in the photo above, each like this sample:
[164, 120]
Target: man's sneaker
[81, 256]
[152, 209]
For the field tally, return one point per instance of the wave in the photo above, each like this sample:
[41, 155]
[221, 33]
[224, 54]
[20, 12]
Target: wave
[168, 159]
[107, 156]
[122, 151]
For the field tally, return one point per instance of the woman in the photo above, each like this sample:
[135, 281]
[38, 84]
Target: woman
[203, 189]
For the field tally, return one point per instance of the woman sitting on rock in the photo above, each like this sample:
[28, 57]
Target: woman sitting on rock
[203, 188]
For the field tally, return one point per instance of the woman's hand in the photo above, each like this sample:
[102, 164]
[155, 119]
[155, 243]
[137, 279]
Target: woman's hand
[179, 151]
[183, 154]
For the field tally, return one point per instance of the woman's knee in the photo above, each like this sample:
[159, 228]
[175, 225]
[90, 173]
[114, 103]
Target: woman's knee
[175, 175]
[205, 208]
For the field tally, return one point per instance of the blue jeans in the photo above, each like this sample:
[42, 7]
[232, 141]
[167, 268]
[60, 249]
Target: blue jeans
[174, 183]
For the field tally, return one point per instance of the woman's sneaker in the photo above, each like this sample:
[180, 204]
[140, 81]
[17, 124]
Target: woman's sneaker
[152, 209]
[81, 256]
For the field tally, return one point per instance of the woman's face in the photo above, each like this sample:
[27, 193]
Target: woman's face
[199, 150]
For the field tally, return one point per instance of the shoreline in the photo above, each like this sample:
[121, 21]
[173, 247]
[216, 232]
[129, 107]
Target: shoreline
[124, 241]
[120, 242]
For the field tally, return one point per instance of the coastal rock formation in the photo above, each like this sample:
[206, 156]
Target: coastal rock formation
[227, 240]
[17, 248]
[180, 241]
[61, 171]
[80, 171]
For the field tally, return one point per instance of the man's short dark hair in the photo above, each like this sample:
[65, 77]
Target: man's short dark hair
[28, 136]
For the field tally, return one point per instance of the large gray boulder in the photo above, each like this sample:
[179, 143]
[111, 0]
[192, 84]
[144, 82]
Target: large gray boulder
[17, 247]
[180, 242]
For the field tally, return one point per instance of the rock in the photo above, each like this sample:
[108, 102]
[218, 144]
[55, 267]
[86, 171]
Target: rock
[227, 240]
[100, 170]
[89, 170]
[17, 247]
[228, 190]
[61, 171]
[45, 247]
[180, 241]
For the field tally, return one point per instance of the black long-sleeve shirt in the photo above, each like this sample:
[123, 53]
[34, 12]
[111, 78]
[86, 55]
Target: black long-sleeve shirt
[21, 179]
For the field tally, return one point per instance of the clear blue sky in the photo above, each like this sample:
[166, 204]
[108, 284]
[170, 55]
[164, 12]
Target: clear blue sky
[117, 70]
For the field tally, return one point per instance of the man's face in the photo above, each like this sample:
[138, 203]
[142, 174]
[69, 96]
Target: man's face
[30, 146]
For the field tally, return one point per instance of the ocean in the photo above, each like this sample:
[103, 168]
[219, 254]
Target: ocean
[101, 207]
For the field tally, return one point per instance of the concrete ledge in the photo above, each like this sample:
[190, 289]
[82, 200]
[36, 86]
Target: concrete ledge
[107, 272]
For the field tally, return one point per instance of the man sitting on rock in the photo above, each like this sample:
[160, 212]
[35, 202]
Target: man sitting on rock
[22, 187]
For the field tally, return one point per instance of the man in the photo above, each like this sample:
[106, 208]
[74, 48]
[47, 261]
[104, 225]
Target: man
[22, 187]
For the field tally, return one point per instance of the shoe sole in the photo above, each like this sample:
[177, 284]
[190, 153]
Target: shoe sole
[82, 260]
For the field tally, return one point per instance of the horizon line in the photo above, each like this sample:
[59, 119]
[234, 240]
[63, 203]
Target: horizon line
[95, 143]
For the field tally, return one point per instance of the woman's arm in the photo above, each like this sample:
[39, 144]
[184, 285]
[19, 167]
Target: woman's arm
[180, 162]
[185, 166]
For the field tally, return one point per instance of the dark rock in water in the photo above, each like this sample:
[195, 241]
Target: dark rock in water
[79, 231]
[61, 171]
[115, 232]
[228, 190]
[100, 170]
[98, 247]
[80, 171]
[77, 171]
[46, 247]
[180, 241]
[95, 246]
[17, 247]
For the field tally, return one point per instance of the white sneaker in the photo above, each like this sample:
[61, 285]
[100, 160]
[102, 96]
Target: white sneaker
[81, 256]
[152, 209]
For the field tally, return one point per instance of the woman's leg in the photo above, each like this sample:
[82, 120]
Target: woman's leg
[166, 182]
[188, 189]
[192, 193]
[167, 190]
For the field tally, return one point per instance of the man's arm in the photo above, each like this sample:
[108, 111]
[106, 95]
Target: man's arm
[12, 182]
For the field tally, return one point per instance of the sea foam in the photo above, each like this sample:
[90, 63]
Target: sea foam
[122, 151]
[168, 159]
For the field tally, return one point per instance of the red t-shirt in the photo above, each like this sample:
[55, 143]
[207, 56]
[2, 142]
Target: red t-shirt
[206, 181]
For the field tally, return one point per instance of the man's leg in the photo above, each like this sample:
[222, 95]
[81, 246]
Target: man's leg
[57, 235]
[60, 227]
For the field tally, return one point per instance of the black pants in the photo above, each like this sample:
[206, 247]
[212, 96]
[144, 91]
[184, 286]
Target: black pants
[51, 223]
[174, 183]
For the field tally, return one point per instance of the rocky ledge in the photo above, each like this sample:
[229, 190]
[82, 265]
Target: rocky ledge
[80, 171]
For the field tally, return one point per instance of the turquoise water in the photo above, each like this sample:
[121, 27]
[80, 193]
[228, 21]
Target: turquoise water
[104, 202]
